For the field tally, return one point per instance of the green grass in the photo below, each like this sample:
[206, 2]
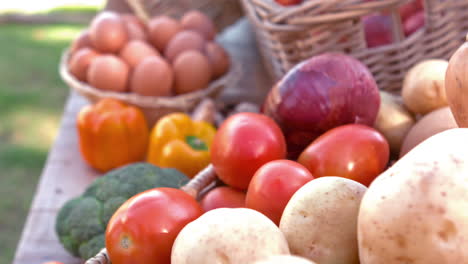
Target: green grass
[32, 97]
[75, 9]
[66, 9]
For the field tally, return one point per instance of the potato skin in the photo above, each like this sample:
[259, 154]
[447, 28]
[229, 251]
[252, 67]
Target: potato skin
[435, 122]
[228, 235]
[424, 86]
[320, 220]
[283, 259]
[416, 212]
[393, 121]
[456, 85]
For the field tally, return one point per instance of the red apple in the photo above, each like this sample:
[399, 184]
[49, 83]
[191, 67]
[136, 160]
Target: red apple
[413, 23]
[378, 30]
[288, 2]
[409, 9]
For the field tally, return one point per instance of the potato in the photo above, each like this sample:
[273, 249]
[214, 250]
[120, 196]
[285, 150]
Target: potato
[424, 86]
[436, 121]
[225, 235]
[417, 211]
[283, 259]
[393, 121]
[456, 84]
[320, 220]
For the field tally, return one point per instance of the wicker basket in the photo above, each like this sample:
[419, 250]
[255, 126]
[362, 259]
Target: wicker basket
[196, 187]
[288, 35]
[152, 107]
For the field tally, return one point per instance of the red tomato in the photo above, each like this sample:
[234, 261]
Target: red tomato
[144, 228]
[242, 144]
[356, 152]
[223, 197]
[273, 185]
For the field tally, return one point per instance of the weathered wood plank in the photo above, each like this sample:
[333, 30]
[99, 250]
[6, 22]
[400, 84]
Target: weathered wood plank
[65, 174]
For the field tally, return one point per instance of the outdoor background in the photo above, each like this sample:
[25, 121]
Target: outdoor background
[32, 96]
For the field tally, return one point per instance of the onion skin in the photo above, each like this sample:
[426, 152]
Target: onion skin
[321, 93]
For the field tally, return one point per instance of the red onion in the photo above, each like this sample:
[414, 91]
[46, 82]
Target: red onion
[321, 93]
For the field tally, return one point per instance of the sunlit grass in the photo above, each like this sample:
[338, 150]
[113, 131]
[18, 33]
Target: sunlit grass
[32, 97]
[50, 6]
[25, 126]
[49, 35]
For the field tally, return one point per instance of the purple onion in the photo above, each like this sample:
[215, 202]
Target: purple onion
[321, 93]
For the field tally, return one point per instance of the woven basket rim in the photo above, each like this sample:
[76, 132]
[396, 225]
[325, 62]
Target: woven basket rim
[229, 78]
[275, 13]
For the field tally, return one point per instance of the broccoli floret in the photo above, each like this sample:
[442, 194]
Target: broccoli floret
[110, 206]
[92, 247]
[79, 220]
[82, 221]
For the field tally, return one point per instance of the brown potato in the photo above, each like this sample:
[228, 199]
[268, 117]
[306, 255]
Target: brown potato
[393, 121]
[228, 235]
[424, 86]
[416, 211]
[456, 85]
[435, 122]
[319, 222]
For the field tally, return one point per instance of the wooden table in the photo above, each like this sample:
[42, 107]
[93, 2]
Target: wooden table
[65, 175]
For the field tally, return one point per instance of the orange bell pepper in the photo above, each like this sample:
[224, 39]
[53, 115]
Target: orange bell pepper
[179, 142]
[112, 134]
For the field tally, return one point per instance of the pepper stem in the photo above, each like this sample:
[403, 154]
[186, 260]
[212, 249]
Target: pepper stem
[196, 143]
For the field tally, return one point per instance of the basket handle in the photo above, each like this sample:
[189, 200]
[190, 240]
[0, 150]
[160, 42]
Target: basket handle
[100, 258]
[139, 9]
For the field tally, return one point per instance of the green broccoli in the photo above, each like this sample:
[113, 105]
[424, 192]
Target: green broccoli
[82, 221]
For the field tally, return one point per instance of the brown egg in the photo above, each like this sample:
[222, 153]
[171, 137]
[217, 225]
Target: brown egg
[153, 76]
[197, 21]
[218, 58]
[135, 27]
[131, 18]
[135, 51]
[192, 72]
[82, 41]
[108, 72]
[108, 32]
[80, 61]
[183, 41]
[161, 30]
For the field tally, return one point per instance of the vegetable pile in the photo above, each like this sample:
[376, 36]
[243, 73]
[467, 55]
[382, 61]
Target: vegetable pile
[82, 221]
[331, 170]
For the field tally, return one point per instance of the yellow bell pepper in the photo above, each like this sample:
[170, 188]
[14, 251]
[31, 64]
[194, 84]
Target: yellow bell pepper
[177, 141]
